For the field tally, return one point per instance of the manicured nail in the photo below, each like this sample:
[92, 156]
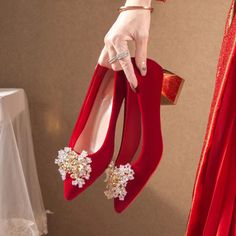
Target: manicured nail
[143, 69]
[133, 88]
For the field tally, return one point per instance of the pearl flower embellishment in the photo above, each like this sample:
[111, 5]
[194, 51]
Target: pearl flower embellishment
[76, 165]
[117, 179]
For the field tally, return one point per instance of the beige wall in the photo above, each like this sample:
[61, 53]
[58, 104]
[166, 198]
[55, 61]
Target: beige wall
[50, 48]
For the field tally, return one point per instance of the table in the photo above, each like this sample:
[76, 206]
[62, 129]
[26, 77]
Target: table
[22, 211]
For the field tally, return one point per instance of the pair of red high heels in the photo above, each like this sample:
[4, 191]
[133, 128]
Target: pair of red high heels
[90, 150]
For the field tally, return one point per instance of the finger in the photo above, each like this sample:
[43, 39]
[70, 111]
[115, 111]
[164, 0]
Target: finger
[104, 58]
[126, 64]
[111, 53]
[141, 44]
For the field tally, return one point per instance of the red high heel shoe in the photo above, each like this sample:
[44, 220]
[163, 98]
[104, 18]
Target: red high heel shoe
[125, 180]
[91, 145]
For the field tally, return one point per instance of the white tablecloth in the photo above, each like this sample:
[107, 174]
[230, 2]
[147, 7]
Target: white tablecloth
[22, 212]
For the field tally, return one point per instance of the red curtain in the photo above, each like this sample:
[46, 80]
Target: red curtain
[213, 211]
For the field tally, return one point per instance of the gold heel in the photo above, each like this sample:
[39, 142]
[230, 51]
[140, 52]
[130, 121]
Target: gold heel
[171, 88]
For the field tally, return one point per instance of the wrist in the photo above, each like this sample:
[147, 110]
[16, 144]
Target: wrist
[138, 3]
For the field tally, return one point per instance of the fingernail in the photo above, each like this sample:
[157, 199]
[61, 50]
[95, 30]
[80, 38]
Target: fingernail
[137, 89]
[143, 69]
[133, 89]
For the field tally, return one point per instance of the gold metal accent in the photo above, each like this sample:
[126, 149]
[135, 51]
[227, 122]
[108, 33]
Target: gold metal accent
[74, 164]
[125, 8]
[117, 179]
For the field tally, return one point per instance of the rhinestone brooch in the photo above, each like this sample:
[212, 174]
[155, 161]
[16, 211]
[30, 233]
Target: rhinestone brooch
[76, 165]
[117, 179]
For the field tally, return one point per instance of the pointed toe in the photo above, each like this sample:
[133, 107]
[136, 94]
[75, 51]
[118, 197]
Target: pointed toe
[119, 207]
[69, 190]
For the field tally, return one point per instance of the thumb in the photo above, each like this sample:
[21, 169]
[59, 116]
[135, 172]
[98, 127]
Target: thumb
[141, 54]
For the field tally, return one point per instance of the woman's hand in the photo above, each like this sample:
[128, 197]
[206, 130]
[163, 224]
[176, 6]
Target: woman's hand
[130, 25]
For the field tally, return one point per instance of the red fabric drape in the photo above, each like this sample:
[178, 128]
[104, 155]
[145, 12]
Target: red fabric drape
[213, 211]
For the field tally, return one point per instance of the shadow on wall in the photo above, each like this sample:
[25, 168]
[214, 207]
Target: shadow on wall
[91, 214]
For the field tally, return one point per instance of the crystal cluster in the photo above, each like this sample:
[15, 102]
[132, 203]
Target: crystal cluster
[76, 165]
[117, 179]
